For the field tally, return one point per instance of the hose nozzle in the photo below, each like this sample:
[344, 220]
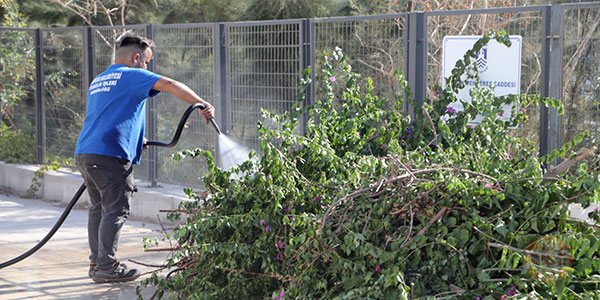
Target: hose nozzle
[214, 124]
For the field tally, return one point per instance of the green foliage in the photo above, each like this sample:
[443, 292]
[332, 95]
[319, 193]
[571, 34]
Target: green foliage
[370, 7]
[285, 9]
[373, 204]
[17, 147]
[16, 62]
[47, 14]
[202, 11]
[53, 164]
[16, 74]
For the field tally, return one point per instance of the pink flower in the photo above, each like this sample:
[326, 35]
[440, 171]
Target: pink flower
[263, 223]
[315, 198]
[506, 156]
[286, 209]
[328, 58]
[378, 268]
[280, 296]
[450, 110]
[280, 255]
[500, 115]
[502, 297]
[437, 92]
[493, 187]
[332, 79]
[512, 291]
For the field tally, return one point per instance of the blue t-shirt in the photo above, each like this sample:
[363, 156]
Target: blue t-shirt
[115, 120]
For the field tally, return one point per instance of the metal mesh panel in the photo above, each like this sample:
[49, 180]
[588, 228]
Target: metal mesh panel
[581, 73]
[527, 24]
[105, 43]
[374, 47]
[63, 90]
[184, 54]
[264, 67]
[19, 45]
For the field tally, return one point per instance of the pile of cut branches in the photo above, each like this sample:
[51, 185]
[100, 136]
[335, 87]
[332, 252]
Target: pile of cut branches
[373, 204]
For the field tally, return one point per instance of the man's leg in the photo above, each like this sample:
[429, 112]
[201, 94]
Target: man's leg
[95, 211]
[115, 210]
[113, 179]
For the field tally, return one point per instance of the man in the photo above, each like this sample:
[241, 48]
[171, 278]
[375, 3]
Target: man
[111, 140]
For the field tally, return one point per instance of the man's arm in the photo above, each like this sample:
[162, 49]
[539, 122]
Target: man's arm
[185, 93]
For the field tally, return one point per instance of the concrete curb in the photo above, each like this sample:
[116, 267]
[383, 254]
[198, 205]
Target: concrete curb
[60, 186]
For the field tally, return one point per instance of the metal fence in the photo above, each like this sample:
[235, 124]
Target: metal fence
[576, 82]
[376, 45]
[264, 63]
[242, 67]
[527, 22]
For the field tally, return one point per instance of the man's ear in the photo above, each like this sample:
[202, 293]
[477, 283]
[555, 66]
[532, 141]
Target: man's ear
[136, 57]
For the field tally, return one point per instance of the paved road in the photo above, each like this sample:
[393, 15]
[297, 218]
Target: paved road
[59, 269]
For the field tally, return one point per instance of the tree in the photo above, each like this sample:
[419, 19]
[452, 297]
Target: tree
[286, 9]
[16, 78]
[203, 11]
[16, 61]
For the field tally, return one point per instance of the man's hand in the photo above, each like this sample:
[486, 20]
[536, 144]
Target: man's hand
[208, 112]
[145, 146]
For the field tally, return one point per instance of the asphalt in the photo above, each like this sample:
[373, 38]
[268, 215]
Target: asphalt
[59, 269]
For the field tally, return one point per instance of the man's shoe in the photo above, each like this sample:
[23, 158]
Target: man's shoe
[92, 269]
[118, 272]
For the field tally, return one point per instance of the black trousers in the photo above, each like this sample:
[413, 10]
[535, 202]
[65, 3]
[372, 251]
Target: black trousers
[110, 185]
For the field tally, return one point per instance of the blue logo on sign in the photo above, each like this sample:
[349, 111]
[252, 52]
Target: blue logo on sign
[481, 59]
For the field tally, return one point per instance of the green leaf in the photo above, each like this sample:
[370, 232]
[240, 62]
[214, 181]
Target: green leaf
[584, 266]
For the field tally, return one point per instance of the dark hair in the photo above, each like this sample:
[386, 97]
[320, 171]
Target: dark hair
[140, 42]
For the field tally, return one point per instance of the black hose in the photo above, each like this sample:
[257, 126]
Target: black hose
[82, 188]
[50, 233]
[180, 126]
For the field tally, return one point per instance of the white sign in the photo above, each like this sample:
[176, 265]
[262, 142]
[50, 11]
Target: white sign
[497, 64]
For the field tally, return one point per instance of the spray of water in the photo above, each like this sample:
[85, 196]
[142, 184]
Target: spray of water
[231, 153]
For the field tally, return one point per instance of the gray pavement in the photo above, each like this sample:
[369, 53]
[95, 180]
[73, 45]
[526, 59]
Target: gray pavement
[59, 269]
